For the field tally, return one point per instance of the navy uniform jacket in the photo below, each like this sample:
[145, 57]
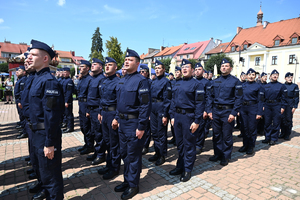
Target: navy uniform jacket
[93, 98]
[161, 90]
[252, 91]
[226, 90]
[108, 92]
[133, 97]
[83, 87]
[207, 87]
[68, 88]
[188, 93]
[19, 87]
[46, 104]
[276, 91]
[292, 94]
[25, 94]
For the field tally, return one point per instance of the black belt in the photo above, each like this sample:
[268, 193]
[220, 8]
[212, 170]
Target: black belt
[39, 126]
[82, 99]
[109, 108]
[273, 101]
[92, 107]
[223, 107]
[157, 100]
[291, 97]
[128, 116]
[247, 103]
[183, 111]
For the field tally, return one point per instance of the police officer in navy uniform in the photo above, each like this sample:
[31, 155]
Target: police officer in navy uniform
[133, 111]
[19, 87]
[261, 121]
[85, 123]
[292, 105]
[107, 112]
[238, 119]
[144, 71]
[186, 112]
[46, 106]
[224, 104]
[161, 94]
[275, 104]
[199, 76]
[171, 77]
[93, 101]
[210, 75]
[68, 88]
[251, 111]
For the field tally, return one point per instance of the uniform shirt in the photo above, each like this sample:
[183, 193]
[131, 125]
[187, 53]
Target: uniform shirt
[83, 86]
[292, 94]
[25, 94]
[68, 88]
[19, 87]
[276, 91]
[188, 93]
[226, 90]
[161, 90]
[93, 98]
[133, 97]
[108, 92]
[207, 85]
[252, 91]
[46, 104]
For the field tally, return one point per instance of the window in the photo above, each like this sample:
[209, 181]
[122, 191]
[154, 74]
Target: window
[181, 57]
[294, 40]
[208, 56]
[257, 61]
[245, 46]
[188, 56]
[193, 48]
[274, 60]
[233, 48]
[1, 61]
[186, 48]
[5, 55]
[277, 42]
[65, 60]
[292, 59]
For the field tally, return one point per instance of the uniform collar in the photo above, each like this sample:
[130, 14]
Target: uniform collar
[226, 76]
[97, 74]
[112, 76]
[160, 77]
[199, 78]
[46, 69]
[186, 79]
[32, 73]
[129, 75]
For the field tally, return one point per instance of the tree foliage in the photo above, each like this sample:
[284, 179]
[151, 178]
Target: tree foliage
[4, 67]
[97, 45]
[167, 63]
[217, 59]
[193, 61]
[72, 71]
[114, 51]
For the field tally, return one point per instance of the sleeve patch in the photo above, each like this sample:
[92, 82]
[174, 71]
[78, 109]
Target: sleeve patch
[51, 102]
[145, 98]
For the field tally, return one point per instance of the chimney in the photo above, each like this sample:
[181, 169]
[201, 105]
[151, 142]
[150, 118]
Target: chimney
[162, 48]
[265, 24]
[73, 53]
[218, 41]
[238, 29]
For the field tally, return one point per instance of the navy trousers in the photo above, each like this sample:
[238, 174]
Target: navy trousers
[222, 133]
[85, 125]
[272, 120]
[147, 135]
[287, 122]
[69, 116]
[201, 135]
[131, 151]
[185, 140]
[159, 133]
[248, 118]
[96, 135]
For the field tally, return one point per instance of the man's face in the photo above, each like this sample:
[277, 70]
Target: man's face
[251, 77]
[17, 73]
[57, 73]
[171, 77]
[144, 73]
[187, 70]
[124, 72]
[205, 75]
[110, 68]
[243, 77]
[225, 69]
[274, 77]
[96, 67]
[66, 74]
[199, 72]
[153, 76]
[178, 74]
[84, 69]
[264, 78]
[35, 58]
[159, 70]
[131, 64]
[210, 76]
[289, 79]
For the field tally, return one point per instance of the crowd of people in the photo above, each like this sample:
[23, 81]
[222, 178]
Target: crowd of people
[120, 114]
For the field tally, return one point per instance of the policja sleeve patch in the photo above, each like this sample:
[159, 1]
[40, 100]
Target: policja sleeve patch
[51, 102]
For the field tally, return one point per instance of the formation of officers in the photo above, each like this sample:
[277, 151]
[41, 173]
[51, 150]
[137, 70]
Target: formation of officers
[119, 116]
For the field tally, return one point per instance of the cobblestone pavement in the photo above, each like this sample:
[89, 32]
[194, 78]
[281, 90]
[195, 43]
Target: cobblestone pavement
[273, 172]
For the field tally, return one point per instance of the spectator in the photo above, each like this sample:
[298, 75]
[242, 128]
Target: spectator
[8, 90]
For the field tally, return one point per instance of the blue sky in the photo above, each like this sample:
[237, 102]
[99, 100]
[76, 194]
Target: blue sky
[70, 24]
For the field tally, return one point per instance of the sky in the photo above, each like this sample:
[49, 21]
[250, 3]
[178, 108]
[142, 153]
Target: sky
[139, 25]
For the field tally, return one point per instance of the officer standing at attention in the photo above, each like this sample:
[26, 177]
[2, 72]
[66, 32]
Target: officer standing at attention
[292, 105]
[107, 112]
[133, 111]
[199, 76]
[251, 111]
[275, 104]
[210, 75]
[85, 123]
[186, 114]
[171, 77]
[224, 104]
[161, 94]
[261, 121]
[93, 102]
[46, 106]
[144, 71]
[68, 87]
[238, 119]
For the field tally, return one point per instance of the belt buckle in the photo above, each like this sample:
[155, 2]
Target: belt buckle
[121, 115]
[220, 107]
[179, 110]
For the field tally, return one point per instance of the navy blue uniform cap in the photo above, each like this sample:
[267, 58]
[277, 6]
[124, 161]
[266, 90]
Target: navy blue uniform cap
[40, 45]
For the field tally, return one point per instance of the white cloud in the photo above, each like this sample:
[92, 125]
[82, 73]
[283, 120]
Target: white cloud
[112, 10]
[1, 20]
[61, 2]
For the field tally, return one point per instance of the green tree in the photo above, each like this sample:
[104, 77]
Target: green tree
[193, 61]
[4, 67]
[72, 71]
[217, 59]
[97, 45]
[114, 50]
[167, 63]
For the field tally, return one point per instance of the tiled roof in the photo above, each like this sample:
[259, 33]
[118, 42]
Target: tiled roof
[219, 49]
[283, 29]
[76, 59]
[152, 54]
[169, 51]
[143, 56]
[64, 54]
[193, 48]
[13, 48]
